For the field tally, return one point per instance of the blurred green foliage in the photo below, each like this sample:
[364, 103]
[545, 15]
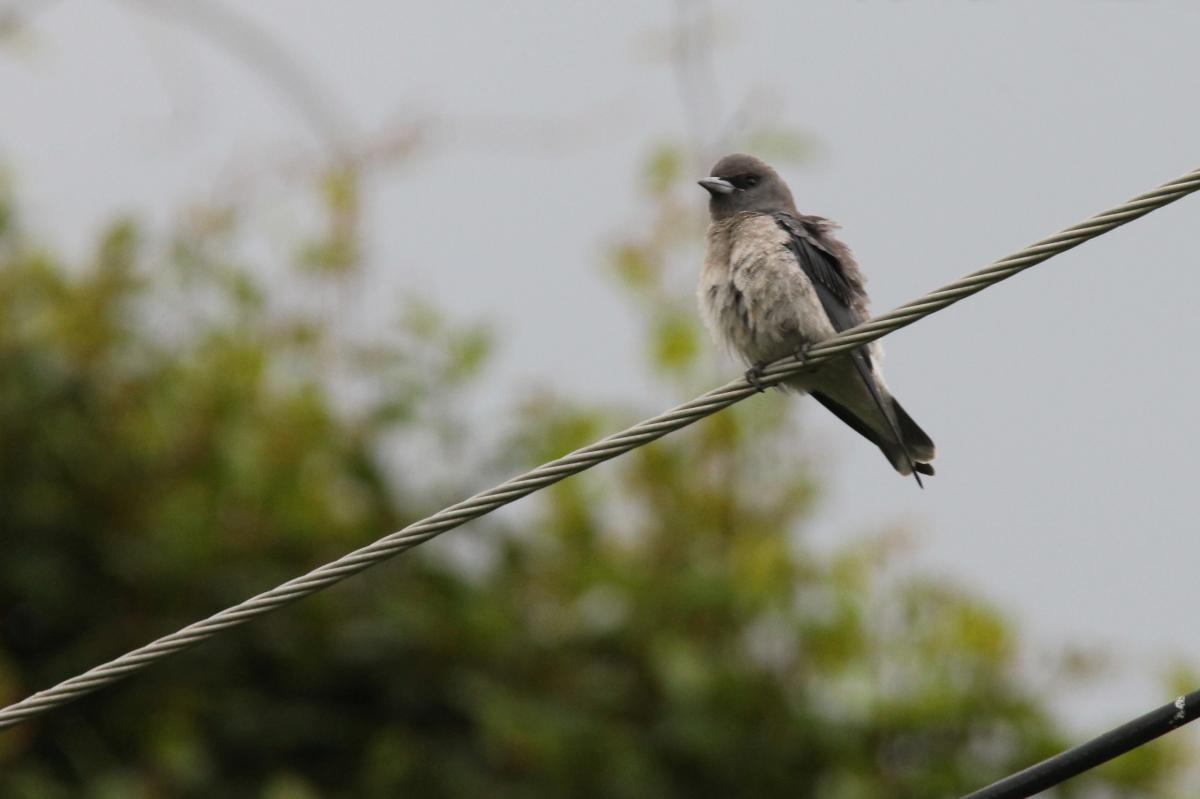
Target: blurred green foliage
[173, 441]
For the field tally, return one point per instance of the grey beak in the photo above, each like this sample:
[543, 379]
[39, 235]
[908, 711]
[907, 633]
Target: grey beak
[716, 186]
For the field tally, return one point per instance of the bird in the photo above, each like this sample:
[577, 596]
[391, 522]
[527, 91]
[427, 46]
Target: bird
[775, 282]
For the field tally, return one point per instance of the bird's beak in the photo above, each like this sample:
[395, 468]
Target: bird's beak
[716, 186]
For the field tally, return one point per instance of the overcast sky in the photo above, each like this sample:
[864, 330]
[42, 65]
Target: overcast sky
[1063, 402]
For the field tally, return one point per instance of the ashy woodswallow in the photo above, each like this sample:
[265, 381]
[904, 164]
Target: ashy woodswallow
[776, 281]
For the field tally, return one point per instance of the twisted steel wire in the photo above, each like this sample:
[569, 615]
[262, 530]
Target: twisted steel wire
[589, 456]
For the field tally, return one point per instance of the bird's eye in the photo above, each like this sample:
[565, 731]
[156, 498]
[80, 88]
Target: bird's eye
[750, 181]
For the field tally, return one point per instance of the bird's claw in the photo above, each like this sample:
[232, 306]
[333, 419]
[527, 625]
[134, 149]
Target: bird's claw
[801, 353]
[754, 376]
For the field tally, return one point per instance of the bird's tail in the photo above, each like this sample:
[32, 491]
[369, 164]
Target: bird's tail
[898, 448]
[915, 449]
[907, 447]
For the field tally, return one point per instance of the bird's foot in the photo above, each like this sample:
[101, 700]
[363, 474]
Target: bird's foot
[801, 353]
[754, 376]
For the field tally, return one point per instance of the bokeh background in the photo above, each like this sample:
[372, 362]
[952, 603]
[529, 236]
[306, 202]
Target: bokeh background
[277, 278]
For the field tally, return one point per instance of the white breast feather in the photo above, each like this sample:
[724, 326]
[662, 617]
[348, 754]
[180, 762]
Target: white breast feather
[754, 297]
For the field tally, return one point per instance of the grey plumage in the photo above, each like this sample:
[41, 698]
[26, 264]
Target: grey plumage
[776, 281]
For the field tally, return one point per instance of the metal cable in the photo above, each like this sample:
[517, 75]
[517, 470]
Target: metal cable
[587, 457]
[1103, 748]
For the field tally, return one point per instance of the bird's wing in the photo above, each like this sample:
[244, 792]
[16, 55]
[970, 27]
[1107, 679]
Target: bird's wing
[839, 287]
[833, 273]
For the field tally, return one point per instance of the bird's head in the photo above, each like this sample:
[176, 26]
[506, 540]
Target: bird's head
[741, 183]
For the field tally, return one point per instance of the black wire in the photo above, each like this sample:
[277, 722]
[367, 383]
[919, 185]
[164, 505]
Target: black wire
[1063, 766]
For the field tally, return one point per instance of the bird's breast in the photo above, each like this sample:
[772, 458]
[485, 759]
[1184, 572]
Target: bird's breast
[753, 295]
